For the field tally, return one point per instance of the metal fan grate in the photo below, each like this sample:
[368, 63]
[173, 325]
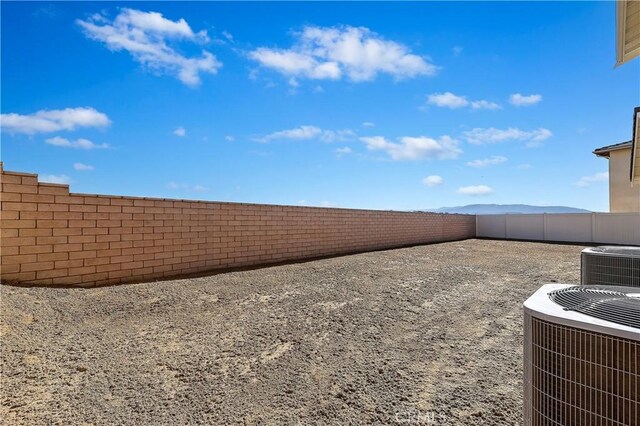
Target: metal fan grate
[607, 303]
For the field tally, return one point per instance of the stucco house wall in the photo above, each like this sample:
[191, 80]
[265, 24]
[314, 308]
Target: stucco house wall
[623, 197]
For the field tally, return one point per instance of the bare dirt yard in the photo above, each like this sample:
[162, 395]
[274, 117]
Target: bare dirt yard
[429, 334]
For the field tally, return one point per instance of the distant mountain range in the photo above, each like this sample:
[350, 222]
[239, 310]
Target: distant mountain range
[507, 208]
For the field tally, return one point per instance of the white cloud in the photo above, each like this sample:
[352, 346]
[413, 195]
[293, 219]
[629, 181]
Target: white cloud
[453, 101]
[180, 132]
[186, 187]
[447, 100]
[457, 50]
[229, 138]
[78, 143]
[433, 180]
[415, 148]
[308, 133]
[491, 161]
[482, 136]
[328, 204]
[341, 152]
[482, 104]
[475, 190]
[524, 166]
[145, 35]
[521, 100]
[299, 133]
[293, 83]
[337, 135]
[368, 124]
[588, 180]
[330, 53]
[227, 35]
[61, 179]
[45, 121]
[82, 167]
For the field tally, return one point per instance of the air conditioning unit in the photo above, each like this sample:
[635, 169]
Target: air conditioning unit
[582, 356]
[610, 265]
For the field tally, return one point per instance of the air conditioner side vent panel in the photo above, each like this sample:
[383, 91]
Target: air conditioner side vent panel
[611, 266]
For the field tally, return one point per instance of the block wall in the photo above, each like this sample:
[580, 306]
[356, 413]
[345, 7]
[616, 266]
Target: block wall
[53, 237]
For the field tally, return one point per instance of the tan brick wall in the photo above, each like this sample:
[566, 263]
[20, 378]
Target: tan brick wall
[52, 237]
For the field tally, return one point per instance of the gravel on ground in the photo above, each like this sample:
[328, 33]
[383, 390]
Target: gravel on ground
[423, 335]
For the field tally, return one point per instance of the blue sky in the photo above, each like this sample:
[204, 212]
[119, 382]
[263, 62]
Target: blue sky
[365, 105]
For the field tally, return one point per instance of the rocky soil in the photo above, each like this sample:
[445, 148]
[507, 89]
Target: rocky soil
[422, 335]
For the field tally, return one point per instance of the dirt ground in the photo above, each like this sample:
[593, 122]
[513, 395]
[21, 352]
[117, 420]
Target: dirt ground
[422, 335]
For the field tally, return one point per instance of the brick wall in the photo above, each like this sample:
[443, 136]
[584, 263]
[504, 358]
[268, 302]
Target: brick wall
[52, 237]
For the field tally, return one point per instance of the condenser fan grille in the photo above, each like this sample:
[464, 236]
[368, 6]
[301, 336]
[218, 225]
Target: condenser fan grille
[610, 304]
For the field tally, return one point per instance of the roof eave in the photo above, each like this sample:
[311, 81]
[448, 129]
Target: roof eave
[605, 150]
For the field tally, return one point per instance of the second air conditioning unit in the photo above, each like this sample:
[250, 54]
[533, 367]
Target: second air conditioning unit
[611, 265]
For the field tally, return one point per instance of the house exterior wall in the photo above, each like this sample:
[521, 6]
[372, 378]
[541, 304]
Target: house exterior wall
[623, 197]
[53, 237]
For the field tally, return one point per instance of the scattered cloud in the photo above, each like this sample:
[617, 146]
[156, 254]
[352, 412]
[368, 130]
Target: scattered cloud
[484, 105]
[433, 180]
[60, 179]
[186, 187]
[227, 35]
[146, 36]
[447, 100]
[180, 132]
[78, 143]
[337, 135]
[475, 190]
[318, 89]
[46, 121]
[483, 136]
[298, 133]
[293, 83]
[521, 100]
[229, 138]
[415, 148]
[83, 167]
[453, 101]
[331, 53]
[368, 124]
[457, 50]
[524, 166]
[341, 152]
[308, 133]
[588, 180]
[485, 162]
[328, 204]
